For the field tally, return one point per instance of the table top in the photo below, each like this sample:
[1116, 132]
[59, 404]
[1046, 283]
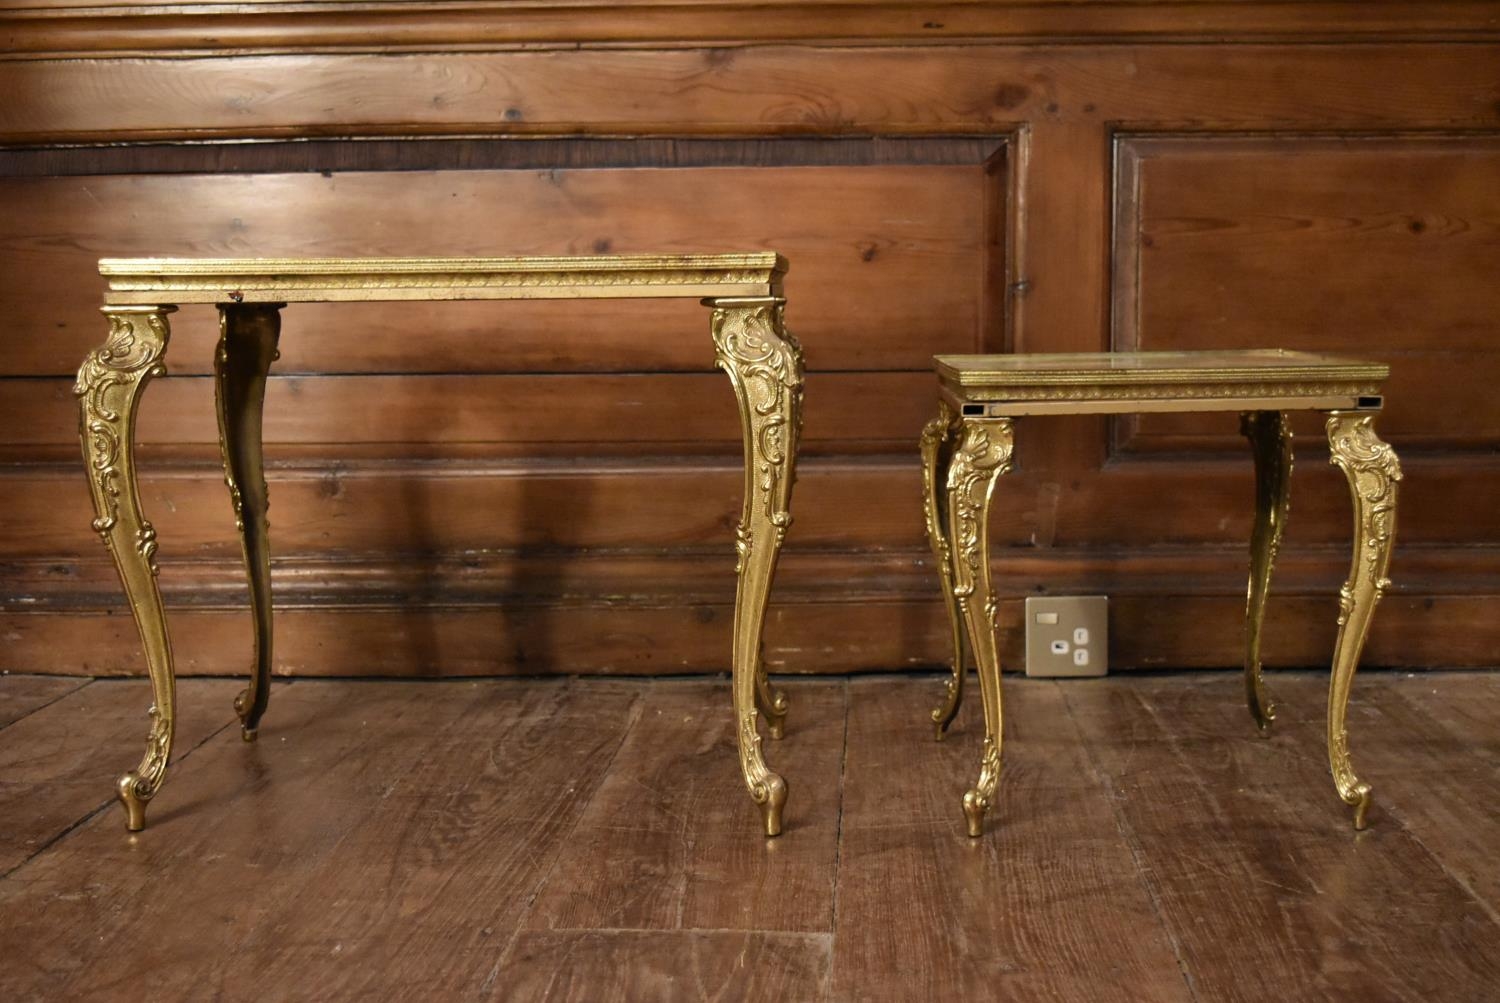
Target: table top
[175, 281]
[1158, 381]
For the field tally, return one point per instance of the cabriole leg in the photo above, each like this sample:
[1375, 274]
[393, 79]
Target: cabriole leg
[109, 388]
[1271, 441]
[983, 452]
[764, 364]
[936, 448]
[247, 346]
[1373, 472]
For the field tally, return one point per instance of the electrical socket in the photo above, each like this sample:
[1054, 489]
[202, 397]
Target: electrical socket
[1067, 636]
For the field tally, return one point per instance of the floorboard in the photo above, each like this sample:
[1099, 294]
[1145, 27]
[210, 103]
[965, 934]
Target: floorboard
[59, 764]
[21, 694]
[1046, 906]
[590, 839]
[1267, 890]
[1432, 749]
[628, 966]
[673, 842]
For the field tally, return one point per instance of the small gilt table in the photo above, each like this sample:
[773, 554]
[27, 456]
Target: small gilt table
[971, 442]
[751, 344]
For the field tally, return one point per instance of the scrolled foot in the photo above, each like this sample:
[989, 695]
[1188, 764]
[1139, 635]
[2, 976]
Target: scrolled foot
[1360, 799]
[976, 806]
[134, 797]
[244, 706]
[771, 796]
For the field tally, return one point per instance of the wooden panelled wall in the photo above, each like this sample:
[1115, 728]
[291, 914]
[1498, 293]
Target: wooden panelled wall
[551, 487]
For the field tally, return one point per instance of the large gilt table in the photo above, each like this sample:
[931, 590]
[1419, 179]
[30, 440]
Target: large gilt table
[972, 441]
[751, 344]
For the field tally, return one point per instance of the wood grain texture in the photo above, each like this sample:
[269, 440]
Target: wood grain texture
[665, 505]
[667, 842]
[761, 90]
[413, 839]
[417, 414]
[59, 764]
[1023, 913]
[627, 965]
[1380, 247]
[502, 615]
[1268, 892]
[436, 640]
[63, 26]
[21, 695]
[514, 768]
[268, 884]
[989, 194]
[884, 259]
[1443, 787]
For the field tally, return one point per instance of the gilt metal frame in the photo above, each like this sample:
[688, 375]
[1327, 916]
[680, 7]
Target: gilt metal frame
[751, 344]
[971, 443]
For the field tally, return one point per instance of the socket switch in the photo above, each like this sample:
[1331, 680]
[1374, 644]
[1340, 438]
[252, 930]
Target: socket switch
[1067, 636]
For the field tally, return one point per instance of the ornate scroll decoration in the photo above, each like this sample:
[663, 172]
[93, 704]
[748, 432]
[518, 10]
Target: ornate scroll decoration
[764, 366]
[1373, 472]
[1270, 437]
[138, 786]
[983, 452]
[109, 387]
[767, 789]
[935, 445]
[977, 800]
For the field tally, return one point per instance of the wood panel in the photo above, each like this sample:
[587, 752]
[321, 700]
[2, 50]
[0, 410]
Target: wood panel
[1369, 246]
[587, 617]
[932, 197]
[415, 414]
[763, 90]
[264, 25]
[885, 260]
[857, 503]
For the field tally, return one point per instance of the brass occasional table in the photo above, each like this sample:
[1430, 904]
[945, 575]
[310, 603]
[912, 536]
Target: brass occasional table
[751, 345]
[971, 442]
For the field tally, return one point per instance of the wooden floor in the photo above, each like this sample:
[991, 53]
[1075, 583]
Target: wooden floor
[589, 840]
